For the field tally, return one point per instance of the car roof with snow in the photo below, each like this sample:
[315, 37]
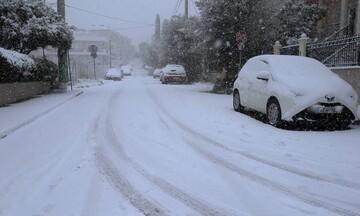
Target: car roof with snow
[174, 68]
[287, 65]
[113, 71]
[299, 72]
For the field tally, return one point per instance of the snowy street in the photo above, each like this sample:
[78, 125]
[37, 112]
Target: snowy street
[137, 147]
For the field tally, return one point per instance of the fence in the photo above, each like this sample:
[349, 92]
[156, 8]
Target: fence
[342, 55]
[342, 52]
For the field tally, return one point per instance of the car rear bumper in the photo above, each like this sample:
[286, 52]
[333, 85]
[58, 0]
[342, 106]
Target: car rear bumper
[174, 78]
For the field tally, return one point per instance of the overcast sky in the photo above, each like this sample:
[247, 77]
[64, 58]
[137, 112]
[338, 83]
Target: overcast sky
[81, 13]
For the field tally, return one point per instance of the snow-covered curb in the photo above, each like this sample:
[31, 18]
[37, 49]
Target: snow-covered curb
[6, 133]
[87, 83]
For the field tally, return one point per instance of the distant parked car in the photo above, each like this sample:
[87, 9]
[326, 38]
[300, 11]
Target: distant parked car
[294, 88]
[157, 73]
[113, 74]
[173, 73]
[126, 70]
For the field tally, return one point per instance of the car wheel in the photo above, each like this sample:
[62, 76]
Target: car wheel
[273, 112]
[237, 102]
[342, 124]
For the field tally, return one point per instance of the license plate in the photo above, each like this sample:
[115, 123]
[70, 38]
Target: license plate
[327, 110]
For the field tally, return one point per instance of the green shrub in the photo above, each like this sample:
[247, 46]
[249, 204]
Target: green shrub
[44, 70]
[9, 72]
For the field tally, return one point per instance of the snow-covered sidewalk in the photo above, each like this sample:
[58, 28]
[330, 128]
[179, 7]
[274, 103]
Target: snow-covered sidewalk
[17, 115]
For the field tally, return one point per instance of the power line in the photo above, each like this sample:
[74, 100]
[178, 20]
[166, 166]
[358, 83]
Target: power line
[110, 17]
[178, 6]
[192, 1]
[137, 27]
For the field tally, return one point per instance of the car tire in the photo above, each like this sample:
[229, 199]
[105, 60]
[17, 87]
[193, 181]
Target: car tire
[273, 112]
[237, 102]
[342, 125]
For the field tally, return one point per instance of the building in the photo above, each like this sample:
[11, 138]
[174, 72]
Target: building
[342, 16]
[80, 60]
[82, 64]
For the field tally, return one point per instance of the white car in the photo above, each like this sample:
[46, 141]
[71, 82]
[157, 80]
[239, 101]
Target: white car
[126, 70]
[294, 88]
[113, 74]
[157, 73]
[173, 73]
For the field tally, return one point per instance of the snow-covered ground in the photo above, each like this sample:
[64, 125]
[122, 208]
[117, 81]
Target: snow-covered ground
[137, 147]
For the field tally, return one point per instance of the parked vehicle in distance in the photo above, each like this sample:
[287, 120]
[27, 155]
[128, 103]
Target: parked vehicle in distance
[173, 73]
[113, 74]
[126, 70]
[157, 73]
[294, 88]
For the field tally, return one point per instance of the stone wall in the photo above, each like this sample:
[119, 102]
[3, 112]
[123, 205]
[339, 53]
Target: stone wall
[350, 75]
[14, 92]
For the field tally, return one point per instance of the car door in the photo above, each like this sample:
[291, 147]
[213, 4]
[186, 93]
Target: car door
[259, 85]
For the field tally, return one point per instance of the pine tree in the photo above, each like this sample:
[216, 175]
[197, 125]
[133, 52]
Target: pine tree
[157, 29]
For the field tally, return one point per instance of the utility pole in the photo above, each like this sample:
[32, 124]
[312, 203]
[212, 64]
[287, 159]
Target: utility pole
[110, 52]
[186, 9]
[62, 53]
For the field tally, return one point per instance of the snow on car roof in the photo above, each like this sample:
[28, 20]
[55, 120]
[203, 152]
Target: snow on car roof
[113, 71]
[302, 73]
[294, 65]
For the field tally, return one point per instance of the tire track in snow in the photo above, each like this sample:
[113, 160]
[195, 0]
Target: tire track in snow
[114, 176]
[280, 166]
[200, 206]
[242, 172]
[284, 167]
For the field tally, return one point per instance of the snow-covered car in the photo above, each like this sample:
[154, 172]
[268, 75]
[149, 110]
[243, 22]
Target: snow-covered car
[113, 74]
[173, 73]
[126, 70]
[157, 73]
[294, 88]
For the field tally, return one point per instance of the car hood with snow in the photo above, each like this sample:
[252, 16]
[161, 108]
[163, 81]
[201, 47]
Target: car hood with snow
[308, 80]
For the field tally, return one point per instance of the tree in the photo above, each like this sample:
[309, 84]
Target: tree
[157, 34]
[27, 25]
[180, 45]
[297, 17]
[147, 54]
[221, 20]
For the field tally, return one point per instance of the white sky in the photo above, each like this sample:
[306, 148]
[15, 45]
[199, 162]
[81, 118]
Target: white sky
[142, 11]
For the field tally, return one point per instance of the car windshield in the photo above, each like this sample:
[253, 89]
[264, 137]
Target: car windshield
[137, 107]
[292, 66]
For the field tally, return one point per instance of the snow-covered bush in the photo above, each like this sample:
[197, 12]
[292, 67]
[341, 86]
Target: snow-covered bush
[14, 66]
[44, 70]
[17, 67]
[28, 25]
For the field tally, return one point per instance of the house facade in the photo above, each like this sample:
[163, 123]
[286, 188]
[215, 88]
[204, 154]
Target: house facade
[342, 15]
[81, 62]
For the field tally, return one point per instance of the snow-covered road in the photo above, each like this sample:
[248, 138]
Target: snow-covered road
[137, 147]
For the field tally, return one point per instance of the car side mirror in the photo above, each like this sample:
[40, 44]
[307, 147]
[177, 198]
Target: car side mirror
[263, 75]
